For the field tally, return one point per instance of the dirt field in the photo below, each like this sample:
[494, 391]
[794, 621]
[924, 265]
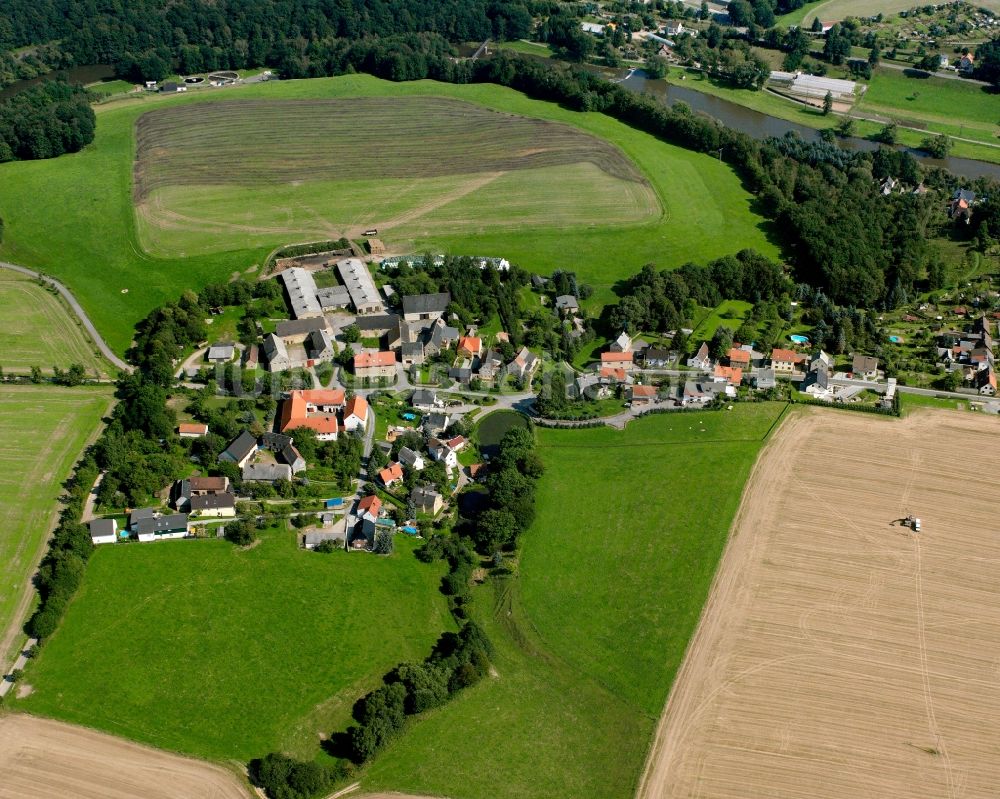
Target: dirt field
[42, 759]
[842, 655]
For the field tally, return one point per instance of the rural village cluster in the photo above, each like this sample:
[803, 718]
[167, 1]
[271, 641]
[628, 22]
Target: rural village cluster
[407, 332]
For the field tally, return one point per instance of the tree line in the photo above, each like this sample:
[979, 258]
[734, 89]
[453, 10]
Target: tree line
[45, 121]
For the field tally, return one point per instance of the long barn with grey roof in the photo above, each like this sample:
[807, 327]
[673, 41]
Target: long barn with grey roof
[361, 287]
[301, 289]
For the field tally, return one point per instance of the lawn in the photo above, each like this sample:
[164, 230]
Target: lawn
[43, 430]
[909, 402]
[39, 330]
[613, 576]
[73, 216]
[964, 108]
[730, 313]
[207, 649]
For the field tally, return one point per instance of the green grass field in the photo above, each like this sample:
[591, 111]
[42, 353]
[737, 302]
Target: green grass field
[73, 216]
[39, 330]
[43, 430]
[613, 576]
[223, 653]
[729, 313]
[951, 106]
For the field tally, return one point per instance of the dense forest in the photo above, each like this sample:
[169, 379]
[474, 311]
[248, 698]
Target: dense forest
[45, 121]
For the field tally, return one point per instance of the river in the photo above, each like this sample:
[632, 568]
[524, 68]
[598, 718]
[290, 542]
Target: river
[91, 73]
[760, 126]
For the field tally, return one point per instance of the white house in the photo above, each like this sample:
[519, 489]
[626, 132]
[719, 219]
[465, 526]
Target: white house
[622, 344]
[356, 413]
[701, 359]
[440, 451]
[103, 531]
[218, 506]
[157, 528]
[411, 458]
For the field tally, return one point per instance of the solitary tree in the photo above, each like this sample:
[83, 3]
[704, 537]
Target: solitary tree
[828, 103]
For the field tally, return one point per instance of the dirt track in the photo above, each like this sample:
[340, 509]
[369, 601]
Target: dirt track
[42, 759]
[841, 655]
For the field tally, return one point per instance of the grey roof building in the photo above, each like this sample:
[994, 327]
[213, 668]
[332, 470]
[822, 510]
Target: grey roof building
[266, 472]
[425, 306]
[423, 398]
[567, 302]
[212, 502]
[240, 450]
[361, 287]
[102, 528]
[319, 345]
[276, 353]
[139, 514]
[333, 297]
[221, 352]
[300, 327]
[377, 324]
[293, 458]
[301, 289]
[162, 525]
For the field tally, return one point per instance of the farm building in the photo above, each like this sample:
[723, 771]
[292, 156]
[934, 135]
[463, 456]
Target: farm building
[333, 298]
[358, 281]
[276, 353]
[420, 307]
[266, 472]
[187, 489]
[301, 289]
[220, 353]
[296, 331]
[814, 86]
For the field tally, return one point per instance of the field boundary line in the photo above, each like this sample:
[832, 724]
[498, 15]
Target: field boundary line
[75, 306]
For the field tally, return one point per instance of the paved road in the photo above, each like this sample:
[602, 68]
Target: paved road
[946, 75]
[77, 309]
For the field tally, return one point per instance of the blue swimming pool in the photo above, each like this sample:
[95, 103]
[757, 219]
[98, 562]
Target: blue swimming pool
[409, 416]
[800, 339]
[895, 339]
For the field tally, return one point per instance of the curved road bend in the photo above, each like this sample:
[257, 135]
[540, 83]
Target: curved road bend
[67, 295]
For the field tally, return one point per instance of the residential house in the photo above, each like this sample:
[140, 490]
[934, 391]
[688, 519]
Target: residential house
[816, 384]
[457, 444]
[356, 413]
[864, 367]
[297, 331]
[440, 451]
[391, 474]
[368, 508]
[377, 326]
[136, 515]
[888, 186]
[696, 392]
[188, 488]
[420, 307]
[461, 374]
[966, 64]
[319, 346]
[157, 528]
[276, 354]
[221, 506]
[621, 344]
[567, 304]
[764, 379]
[986, 381]
[440, 337]
[424, 399]
[336, 532]
[674, 28]
[655, 358]
[103, 531]
[523, 365]
[240, 451]
[820, 360]
[490, 366]
[192, 430]
[313, 408]
[730, 375]
[960, 207]
[470, 346]
[220, 353]
[362, 537]
[373, 365]
[642, 395]
[617, 360]
[738, 356]
[701, 359]
[614, 375]
[426, 500]
[411, 459]
[786, 361]
[293, 458]
[411, 353]
[266, 472]
[436, 423]
[590, 386]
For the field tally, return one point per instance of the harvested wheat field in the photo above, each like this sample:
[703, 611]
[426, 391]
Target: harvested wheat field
[42, 759]
[840, 654]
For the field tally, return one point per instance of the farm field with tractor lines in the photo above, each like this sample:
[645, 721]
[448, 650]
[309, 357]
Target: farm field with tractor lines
[39, 330]
[836, 10]
[841, 653]
[591, 632]
[75, 217]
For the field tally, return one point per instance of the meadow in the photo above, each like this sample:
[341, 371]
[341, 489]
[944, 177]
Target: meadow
[834, 10]
[612, 579]
[227, 653]
[74, 216]
[43, 429]
[39, 330]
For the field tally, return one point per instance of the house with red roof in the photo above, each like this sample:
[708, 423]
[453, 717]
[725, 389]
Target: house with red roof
[314, 408]
[642, 395]
[618, 360]
[356, 413]
[391, 474]
[375, 364]
[470, 346]
[786, 361]
[368, 508]
[192, 430]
